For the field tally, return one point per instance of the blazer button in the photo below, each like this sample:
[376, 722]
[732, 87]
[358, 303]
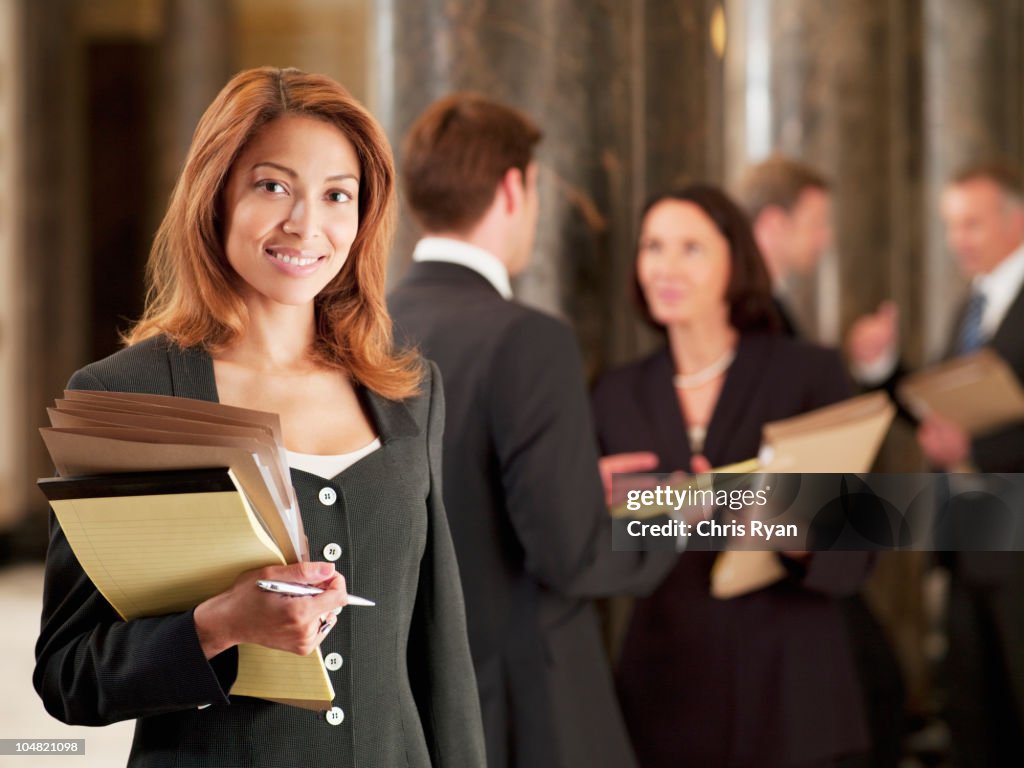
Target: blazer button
[332, 552]
[335, 716]
[328, 496]
[333, 661]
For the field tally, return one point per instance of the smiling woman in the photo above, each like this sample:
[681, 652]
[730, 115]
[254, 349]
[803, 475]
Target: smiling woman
[266, 291]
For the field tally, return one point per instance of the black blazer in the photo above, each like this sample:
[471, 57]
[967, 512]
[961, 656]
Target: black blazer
[528, 519]
[765, 679]
[406, 684]
[985, 620]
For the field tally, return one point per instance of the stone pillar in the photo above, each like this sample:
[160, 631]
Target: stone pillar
[837, 83]
[195, 59]
[974, 96]
[53, 271]
[621, 91]
[835, 95]
[13, 350]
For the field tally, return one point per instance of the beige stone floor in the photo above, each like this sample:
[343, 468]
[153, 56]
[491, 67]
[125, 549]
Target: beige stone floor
[21, 712]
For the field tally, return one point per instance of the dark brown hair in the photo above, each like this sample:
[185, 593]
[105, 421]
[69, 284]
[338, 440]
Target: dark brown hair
[194, 294]
[456, 153]
[748, 294]
[777, 181]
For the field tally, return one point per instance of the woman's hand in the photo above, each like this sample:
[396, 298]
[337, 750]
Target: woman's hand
[622, 464]
[247, 614]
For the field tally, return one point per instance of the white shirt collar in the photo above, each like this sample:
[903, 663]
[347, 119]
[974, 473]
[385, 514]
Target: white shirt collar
[1000, 287]
[470, 256]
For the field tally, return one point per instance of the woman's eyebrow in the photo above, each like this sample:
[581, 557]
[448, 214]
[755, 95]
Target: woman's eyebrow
[288, 171]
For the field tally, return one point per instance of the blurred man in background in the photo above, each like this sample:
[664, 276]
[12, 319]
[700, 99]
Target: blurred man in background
[983, 211]
[790, 210]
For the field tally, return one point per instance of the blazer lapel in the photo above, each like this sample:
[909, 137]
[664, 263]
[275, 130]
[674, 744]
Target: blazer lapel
[668, 425]
[738, 390]
[392, 418]
[191, 373]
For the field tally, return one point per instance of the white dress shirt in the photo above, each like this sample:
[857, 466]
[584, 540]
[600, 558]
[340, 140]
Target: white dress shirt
[1000, 287]
[462, 253]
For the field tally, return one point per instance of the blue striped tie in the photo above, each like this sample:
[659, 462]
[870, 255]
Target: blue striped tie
[971, 338]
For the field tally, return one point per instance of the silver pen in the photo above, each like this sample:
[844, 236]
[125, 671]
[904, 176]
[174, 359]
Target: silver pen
[288, 588]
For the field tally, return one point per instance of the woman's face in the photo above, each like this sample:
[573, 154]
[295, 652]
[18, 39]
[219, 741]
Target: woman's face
[683, 265]
[291, 209]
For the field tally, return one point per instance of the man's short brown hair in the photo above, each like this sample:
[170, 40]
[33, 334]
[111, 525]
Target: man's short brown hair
[456, 153]
[778, 181]
[1001, 173]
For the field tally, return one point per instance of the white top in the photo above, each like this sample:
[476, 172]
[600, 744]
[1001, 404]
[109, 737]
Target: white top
[484, 263]
[329, 466]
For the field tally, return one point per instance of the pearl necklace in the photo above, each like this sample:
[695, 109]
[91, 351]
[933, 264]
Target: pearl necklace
[704, 375]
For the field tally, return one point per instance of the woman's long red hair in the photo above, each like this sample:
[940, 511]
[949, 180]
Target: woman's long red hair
[193, 293]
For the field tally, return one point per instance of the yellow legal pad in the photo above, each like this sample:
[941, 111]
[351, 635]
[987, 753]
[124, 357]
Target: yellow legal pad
[162, 542]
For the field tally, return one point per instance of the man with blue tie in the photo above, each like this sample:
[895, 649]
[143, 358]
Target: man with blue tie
[983, 212]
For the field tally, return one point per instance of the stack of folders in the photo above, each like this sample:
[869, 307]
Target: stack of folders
[166, 500]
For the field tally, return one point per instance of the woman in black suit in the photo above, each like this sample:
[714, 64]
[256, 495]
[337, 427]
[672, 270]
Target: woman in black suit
[267, 291]
[764, 679]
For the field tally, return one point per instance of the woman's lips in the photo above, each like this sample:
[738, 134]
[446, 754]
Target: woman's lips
[294, 261]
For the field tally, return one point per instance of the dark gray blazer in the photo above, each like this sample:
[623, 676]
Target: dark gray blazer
[528, 519]
[406, 684]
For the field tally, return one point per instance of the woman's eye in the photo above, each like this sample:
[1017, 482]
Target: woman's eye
[271, 186]
[650, 246]
[339, 196]
[693, 249]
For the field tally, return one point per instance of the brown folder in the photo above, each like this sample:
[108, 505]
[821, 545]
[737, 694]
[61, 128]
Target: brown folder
[979, 392]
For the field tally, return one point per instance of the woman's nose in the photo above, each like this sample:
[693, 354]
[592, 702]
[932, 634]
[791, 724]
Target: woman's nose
[301, 220]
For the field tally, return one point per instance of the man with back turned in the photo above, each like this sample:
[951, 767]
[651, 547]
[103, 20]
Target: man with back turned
[521, 481]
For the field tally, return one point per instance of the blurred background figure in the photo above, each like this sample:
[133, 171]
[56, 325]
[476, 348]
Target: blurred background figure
[789, 205]
[703, 680]
[790, 210]
[983, 211]
[523, 492]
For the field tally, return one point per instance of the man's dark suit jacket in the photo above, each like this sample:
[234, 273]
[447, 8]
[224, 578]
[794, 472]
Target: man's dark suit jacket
[767, 678]
[986, 611]
[528, 519]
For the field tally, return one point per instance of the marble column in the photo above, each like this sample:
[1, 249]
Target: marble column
[621, 91]
[194, 60]
[974, 97]
[54, 272]
[837, 94]
[13, 350]
[837, 83]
